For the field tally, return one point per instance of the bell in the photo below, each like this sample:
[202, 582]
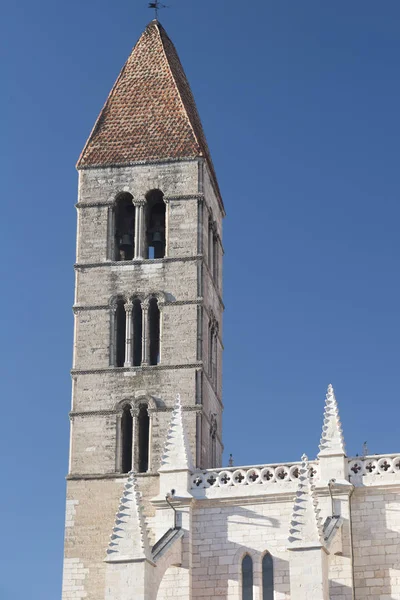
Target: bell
[126, 240]
[157, 237]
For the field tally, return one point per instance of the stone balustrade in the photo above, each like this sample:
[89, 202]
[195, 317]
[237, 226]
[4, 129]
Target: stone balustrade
[260, 475]
[367, 470]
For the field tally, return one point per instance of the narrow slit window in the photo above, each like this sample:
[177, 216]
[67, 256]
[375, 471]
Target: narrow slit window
[247, 578]
[126, 434]
[144, 438]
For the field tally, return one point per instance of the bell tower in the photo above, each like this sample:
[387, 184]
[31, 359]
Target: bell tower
[148, 297]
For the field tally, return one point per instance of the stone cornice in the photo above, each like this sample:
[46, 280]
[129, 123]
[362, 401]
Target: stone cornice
[91, 476]
[144, 368]
[137, 261]
[77, 308]
[198, 408]
[177, 198]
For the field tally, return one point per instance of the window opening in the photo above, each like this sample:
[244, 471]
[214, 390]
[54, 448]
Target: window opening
[155, 233]
[137, 317]
[215, 257]
[143, 441]
[247, 578]
[124, 227]
[268, 577]
[154, 332]
[120, 317]
[126, 433]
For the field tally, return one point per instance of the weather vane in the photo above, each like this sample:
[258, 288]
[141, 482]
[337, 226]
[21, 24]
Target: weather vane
[156, 6]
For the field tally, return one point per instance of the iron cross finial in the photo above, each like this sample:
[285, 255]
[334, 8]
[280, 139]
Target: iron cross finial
[156, 6]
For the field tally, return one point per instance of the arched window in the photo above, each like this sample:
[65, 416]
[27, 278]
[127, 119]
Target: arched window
[126, 437]
[247, 578]
[137, 317]
[143, 439]
[124, 227]
[120, 332]
[155, 224]
[154, 332]
[267, 577]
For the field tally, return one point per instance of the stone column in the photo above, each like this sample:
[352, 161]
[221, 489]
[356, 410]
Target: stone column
[128, 334]
[145, 333]
[139, 228]
[112, 357]
[135, 452]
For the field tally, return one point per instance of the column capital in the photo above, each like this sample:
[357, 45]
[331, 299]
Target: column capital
[128, 306]
[139, 202]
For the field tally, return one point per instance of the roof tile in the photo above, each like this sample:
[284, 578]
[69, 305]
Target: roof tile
[150, 113]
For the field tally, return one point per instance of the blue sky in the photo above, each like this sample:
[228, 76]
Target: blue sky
[300, 103]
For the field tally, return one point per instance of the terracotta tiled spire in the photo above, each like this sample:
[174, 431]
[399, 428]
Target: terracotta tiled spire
[150, 113]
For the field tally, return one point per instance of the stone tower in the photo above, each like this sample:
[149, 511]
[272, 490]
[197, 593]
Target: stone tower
[148, 299]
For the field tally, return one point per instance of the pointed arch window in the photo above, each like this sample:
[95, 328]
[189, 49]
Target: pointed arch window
[124, 234]
[155, 224]
[127, 439]
[154, 332]
[247, 578]
[267, 577]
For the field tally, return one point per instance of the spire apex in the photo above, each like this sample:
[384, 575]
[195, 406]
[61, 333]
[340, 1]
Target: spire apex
[129, 538]
[332, 441]
[305, 526]
[177, 455]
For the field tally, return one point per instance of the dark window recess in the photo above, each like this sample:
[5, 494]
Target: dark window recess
[124, 227]
[126, 433]
[120, 328]
[137, 332]
[154, 332]
[143, 441]
[155, 224]
[268, 577]
[247, 578]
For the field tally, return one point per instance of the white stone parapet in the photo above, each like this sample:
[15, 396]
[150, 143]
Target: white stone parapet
[261, 478]
[373, 469]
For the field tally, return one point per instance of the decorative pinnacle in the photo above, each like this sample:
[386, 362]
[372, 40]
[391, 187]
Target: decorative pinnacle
[332, 442]
[129, 538]
[176, 455]
[305, 526]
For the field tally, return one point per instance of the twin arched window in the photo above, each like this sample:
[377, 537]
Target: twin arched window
[267, 577]
[135, 333]
[135, 439]
[139, 227]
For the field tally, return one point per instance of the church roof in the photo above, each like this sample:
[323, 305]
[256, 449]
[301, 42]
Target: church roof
[150, 113]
